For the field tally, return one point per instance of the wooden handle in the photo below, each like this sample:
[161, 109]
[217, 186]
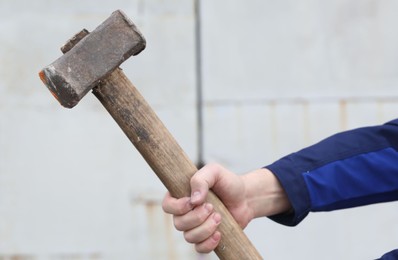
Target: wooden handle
[167, 159]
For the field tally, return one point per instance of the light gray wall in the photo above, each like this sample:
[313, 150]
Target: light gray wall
[277, 76]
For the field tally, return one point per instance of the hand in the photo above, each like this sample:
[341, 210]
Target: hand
[252, 195]
[196, 217]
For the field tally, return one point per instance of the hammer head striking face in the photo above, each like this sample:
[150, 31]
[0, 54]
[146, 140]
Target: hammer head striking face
[92, 59]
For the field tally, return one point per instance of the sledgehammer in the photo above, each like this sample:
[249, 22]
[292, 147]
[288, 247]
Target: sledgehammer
[91, 62]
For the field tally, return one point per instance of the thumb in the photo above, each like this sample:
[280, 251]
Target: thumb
[202, 181]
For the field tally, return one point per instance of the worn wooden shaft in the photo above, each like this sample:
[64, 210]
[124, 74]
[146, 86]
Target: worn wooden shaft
[167, 159]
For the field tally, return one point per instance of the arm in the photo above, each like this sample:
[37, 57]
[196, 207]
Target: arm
[349, 169]
[353, 168]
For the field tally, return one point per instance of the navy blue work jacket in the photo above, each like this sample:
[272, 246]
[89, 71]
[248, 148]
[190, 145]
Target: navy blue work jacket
[349, 169]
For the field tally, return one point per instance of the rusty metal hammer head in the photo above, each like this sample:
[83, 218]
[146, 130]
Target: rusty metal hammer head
[93, 58]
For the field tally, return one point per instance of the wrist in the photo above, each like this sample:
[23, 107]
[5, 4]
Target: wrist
[264, 194]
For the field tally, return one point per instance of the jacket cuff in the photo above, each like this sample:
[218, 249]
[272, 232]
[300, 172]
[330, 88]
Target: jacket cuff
[294, 185]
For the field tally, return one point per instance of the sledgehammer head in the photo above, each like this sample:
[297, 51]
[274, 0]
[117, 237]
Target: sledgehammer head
[92, 59]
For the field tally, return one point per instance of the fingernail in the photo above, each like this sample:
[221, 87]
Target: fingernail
[216, 236]
[208, 207]
[217, 218]
[195, 196]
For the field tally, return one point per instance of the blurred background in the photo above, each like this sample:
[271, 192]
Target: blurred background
[237, 82]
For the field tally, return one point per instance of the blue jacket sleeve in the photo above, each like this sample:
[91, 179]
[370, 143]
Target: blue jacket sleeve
[349, 169]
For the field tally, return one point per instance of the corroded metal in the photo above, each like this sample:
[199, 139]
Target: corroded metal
[93, 58]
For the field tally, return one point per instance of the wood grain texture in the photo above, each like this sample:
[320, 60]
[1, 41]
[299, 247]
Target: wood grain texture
[164, 155]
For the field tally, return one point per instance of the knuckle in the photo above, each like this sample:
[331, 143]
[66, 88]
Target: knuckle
[181, 210]
[204, 248]
[175, 207]
[178, 224]
[165, 206]
[195, 179]
[214, 167]
[188, 237]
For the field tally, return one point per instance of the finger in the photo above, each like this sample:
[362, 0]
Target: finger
[209, 244]
[194, 218]
[202, 181]
[204, 231]
[176, 206]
